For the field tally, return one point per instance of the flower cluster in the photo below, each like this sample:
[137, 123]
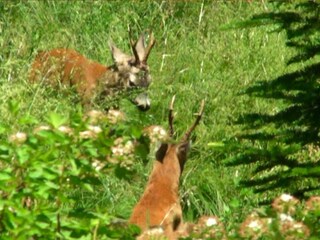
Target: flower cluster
[313, 204]
[66, 130]
[286, 207]
[122, 152]
[285, 204]
[91, 132]
[283, 223]
[209, 227]
[155, 233]
[292, 230]
[254, 226]
[113, 116]
[41, 128]
[156, 133]
[95, 116]
[18, 138]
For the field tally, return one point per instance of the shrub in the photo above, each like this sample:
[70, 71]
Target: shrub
[44, 166]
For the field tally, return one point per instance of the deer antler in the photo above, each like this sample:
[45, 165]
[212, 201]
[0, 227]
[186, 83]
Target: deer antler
[171, 131]
[133, 45]
[152, 41]
[144, 52]
[196, 122]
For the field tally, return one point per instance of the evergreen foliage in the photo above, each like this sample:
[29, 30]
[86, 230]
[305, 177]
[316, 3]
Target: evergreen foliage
[282, 145]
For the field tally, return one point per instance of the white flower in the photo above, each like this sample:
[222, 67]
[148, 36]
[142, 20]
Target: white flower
[115, 116]
[97, 165]
[285, 217]
[156, 133]
[95, 129]
[255, 224]
[128, 146]
[86, 134]
[65, 129]
[42, 128]
[156, 129]
[118, 151]
[211, 222]
[286, 197]
[95, 116]
[163, 132]
[95, 113]
[19, 137]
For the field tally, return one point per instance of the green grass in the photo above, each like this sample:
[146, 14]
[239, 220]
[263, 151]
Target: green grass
[193, 59]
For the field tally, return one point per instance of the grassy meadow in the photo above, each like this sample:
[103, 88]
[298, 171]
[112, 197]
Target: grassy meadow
[194, 58]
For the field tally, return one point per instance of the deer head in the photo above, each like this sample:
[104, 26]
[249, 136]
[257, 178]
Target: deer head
[132, 72]
[182, 147]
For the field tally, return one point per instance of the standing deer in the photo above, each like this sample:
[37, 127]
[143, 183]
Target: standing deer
[159, 205]
[92, 79]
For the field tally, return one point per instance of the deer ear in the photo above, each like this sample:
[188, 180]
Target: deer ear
[182, 152]
[183, 149]
[161, 152]
[140, 48]
[118, 56]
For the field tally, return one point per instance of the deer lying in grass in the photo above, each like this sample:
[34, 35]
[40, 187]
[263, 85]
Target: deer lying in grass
[159, 205]
[92, 79]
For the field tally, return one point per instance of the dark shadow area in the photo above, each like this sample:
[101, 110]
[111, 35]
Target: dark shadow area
[283, 147]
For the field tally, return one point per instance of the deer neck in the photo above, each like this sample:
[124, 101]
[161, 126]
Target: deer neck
[109, 81]
[111, 77]
[167, 173]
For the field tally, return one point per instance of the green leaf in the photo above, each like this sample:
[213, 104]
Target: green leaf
[2, 129]
[14, 107]
[5, 176]
[88, 187]
[37, 173]
[52, 185]
[23, 155]
[216, 144]
[56, 120]
[136, 132]
[4, 151]
[27, 120]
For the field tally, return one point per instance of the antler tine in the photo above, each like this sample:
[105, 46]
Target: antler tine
[152, 41]
[171, 131]
[196, 122]
[133, 45]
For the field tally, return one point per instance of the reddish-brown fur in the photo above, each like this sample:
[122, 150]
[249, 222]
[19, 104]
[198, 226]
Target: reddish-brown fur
[160, 202]
[69, 68]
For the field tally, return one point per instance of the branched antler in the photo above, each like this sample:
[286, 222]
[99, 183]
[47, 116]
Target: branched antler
[152, 41]
[133, 45]
[196, 122]
[142, 50]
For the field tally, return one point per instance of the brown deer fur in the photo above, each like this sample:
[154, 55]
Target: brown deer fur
[91, 79]
[160, 203]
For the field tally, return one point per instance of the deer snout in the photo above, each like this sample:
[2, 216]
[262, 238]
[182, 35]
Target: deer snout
[142, 101]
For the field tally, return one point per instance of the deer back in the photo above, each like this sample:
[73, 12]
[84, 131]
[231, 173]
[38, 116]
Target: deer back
[160, 202]
[91, 79]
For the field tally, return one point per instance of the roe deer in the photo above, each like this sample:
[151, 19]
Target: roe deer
[159, 205]
[92, 79]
